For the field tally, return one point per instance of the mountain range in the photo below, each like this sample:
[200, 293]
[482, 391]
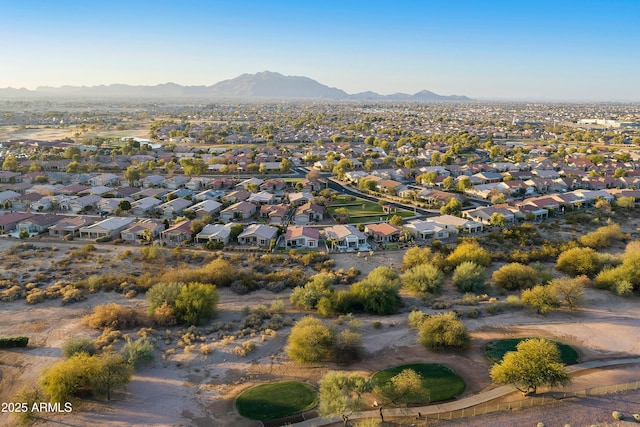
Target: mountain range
[263, 85]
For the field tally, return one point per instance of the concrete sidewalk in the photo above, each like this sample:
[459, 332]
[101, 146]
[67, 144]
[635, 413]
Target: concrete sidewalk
[464, 403]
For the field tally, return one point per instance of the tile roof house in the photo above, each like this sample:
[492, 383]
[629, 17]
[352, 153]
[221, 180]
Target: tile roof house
[206, 207]
[70, 226]
[215, 233]
[453, 224]
[302, 237]
[308, 213]
[426, 230]
[258, 235]
[177, 233]
[275, 213]
[38, 223]
[9, 221]
[138, 230]
[108, 227]
[240, 210]
[383, 232]
[345, 238]
[145, 206]
[174, 207]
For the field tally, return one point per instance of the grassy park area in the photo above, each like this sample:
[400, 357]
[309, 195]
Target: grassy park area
[495, 350]
[442, 382]
[276, 400]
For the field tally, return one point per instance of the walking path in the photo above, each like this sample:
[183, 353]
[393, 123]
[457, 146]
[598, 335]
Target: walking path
[465, 403]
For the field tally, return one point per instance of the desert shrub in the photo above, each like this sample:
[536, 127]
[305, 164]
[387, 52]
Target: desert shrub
[13, 342]
[415, 256]
[310, 341]
[378, 292]
[616, 415]
[469, 250]
[12, 294]
[441, 305]
[308, 296]
[138, 352]
[416, 318]
[603, 237]
[77, 345]
[513, 301]
[578, 261]
[31, 397]
[196, 303]
[443, 331]
[35, 296]
[277, 307]
[541, 298]
[469, 277]
[569, 291]
[423, 279]
[164, 315]
[113, 316]
[515, 276]
[469, 299]
[71, 294]
[108, 337]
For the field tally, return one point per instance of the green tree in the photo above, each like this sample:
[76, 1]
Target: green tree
[498, 220]
[578, 261]
[443, 331]
[378, 293]
[285, 165]
[308, 296]
[535, 362]
[124, 205]
[403, 389]
[10, 163]
[569, 291]
[415, 256]
[469, 250]
[163, 293]
[341, 394]
[132, 175]
[310, 341]
[453, 207]
[113, 372]
[541, 298]
[469, 277]
[348, 347]
[423, 279]
[396, 220]
[196, 303]
[515, 276]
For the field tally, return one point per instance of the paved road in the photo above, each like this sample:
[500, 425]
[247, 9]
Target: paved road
[465, 403]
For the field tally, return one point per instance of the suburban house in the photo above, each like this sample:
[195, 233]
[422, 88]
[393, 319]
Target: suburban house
[38, 223]
[453, 224]
[300, 198]
[258, 235]
[383, 232]
[104, 179]
[138, 230]
[206, 207]
[145, 206]
[236, 196]
[176, 182]
[275, 213]
[177, 233]
[8, 196]
[174, 207]
[240, 210]
[110, 227]
[70, 225]
[152, 181]
[426, 230]
[307, 213]
[9, 221]
[262, 198]
[215, 233]
[484, 214]
[84, 203]
[302, 237]
[345, 238]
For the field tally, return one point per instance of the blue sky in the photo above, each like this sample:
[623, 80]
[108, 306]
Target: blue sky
[547, 50]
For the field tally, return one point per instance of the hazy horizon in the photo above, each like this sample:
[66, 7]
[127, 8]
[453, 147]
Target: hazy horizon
[573, 51]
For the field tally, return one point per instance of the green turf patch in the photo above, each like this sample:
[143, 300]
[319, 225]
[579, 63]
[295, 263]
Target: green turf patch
[495, 350]
[276, 400]
[442, 382]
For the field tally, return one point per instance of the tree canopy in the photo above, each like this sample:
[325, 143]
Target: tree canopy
[536, 362]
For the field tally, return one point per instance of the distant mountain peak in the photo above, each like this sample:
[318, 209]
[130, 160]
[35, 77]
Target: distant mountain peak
[264, 84]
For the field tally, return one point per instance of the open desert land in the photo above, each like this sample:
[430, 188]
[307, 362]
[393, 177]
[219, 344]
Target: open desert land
[187, 387]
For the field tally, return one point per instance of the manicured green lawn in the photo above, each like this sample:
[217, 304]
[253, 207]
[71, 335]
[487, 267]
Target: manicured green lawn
[276, 400]
[361, 210]
[495, 350]
[442, 382]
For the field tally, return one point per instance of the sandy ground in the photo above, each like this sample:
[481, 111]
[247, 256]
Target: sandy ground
[191, 389]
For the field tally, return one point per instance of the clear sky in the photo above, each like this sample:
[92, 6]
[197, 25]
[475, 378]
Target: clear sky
[515, 49]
